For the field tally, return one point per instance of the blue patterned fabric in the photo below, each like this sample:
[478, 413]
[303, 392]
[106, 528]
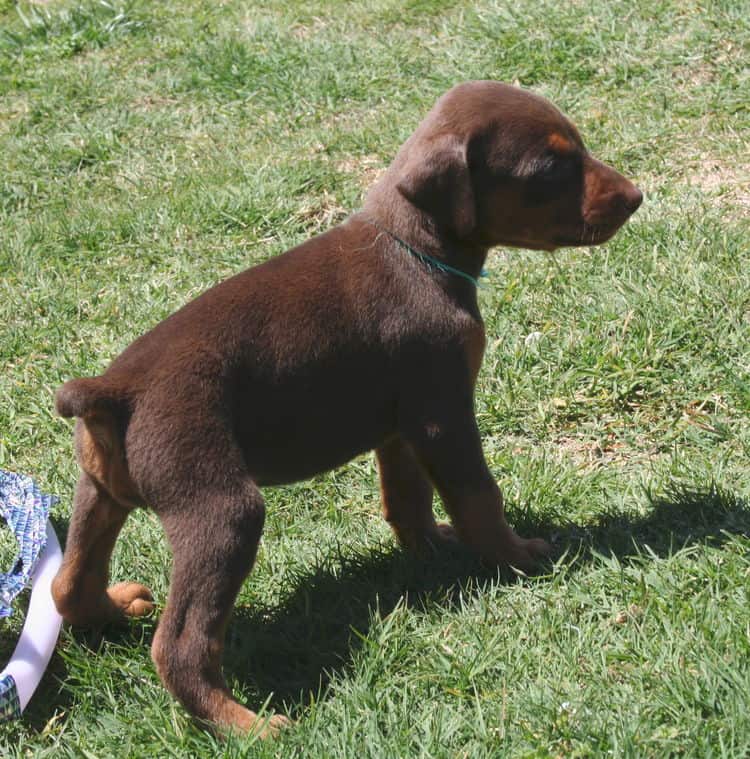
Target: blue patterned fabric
[26, 510]
[10, 706]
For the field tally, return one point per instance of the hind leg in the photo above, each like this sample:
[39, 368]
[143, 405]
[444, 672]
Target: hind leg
[406, 494]
[214, 539]
[80, 587]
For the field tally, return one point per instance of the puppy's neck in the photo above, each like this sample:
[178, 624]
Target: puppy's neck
[419, 230]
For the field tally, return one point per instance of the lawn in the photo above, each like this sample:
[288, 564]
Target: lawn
[149, 150]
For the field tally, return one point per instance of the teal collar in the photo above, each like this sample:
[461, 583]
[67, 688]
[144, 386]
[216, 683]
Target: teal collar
[429, 261]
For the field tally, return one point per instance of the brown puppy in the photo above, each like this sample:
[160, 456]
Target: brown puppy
[350, 342]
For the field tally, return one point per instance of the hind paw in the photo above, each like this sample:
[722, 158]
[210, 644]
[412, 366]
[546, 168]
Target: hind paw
[132, 599]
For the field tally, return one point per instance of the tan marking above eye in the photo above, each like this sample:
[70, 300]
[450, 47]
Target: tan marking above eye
[559, 143]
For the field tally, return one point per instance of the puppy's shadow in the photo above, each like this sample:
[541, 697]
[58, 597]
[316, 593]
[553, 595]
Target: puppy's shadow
[288, 653]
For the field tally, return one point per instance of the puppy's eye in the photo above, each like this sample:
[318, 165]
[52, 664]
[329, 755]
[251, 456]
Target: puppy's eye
[553, 177]
[553, 168]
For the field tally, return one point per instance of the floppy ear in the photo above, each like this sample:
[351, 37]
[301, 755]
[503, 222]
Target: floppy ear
[435, 178]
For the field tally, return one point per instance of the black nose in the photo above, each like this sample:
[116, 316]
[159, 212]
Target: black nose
[632, 198]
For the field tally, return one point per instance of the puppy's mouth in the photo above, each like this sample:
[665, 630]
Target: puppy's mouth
[583, 236]
[589, 234]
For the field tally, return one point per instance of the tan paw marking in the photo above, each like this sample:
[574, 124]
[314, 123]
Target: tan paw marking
[527, 555]
[447, 534]
[132, 599]
[249, 723]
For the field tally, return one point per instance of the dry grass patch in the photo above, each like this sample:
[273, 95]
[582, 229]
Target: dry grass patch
[320, 213]
[366, 168]
[719, 179]
[588, 453]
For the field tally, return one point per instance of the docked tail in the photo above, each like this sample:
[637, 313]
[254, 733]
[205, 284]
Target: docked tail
[88, 395]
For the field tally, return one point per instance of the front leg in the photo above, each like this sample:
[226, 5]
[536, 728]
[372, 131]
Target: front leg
[449, 447]
[406, 494]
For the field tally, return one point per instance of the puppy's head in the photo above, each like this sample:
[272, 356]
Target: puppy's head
[497, 165]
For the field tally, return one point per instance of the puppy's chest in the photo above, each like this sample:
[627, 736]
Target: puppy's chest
[473, 341]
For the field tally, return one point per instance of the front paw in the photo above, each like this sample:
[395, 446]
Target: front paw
[430, 539]
[527, 554]
[443, 536]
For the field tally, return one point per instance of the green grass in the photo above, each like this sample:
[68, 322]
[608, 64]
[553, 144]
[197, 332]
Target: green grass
[151, 149]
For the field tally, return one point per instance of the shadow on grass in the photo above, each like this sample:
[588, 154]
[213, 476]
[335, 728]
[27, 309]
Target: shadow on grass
[289, 653]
